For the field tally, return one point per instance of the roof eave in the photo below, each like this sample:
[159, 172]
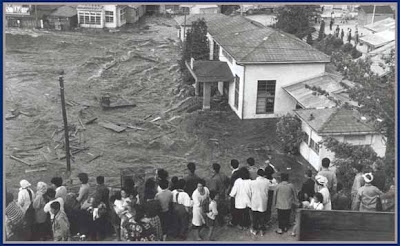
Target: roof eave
[279, 62]
[346, 133]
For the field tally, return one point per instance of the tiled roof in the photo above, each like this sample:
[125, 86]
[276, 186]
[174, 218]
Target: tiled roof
[212, 71]
[64, 11]
[382, 25]
[335, 121]
[369, 9]
[248, 41]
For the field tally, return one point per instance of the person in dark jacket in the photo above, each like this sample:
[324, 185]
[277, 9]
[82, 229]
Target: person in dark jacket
[234, 177]
[101, 197]
[379, 176]
[308, 187]
[284, 198]
[219, 183]
[191, 179]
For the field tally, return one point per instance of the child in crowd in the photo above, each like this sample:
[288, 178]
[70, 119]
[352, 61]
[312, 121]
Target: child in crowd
[212, 214]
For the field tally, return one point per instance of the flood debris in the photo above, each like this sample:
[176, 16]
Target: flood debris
[112, 126]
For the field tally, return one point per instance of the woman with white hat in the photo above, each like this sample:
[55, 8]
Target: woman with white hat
[25, 195]
[367, 195]
[321, 183]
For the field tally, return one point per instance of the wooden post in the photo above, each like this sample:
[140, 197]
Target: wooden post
[184, 29]
[64, 112]
[206, 96]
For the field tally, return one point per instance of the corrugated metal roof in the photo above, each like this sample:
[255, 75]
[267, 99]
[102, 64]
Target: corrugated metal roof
[334, 121]
[382, 25]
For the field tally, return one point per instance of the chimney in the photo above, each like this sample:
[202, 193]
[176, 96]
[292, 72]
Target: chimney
[191, 62]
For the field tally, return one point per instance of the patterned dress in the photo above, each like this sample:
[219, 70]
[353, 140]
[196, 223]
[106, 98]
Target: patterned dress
[138, 231]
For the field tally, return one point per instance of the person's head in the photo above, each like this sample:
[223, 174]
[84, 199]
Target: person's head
[326, 162]
[163, 184]
[260, 172]
[174, 180]
[56, 182]
[318, 197]
[181, 184]
[321, 181]
[268, 173]
[51, 193]
[139, 212]
[84, 178]
[24, 184]
[251, 161]
[339, 187]
[150, 188]
[234, 163]
[308, 173]
[213, 194]
[191, 167]
[200, 185]
[55, 207]
[124, 193]
[284, 177]
[100, 180]
[368, 178]
[9, 198]
[162, 173]
[244, 173]
[359, 168]
[41, 187]
[216, 167]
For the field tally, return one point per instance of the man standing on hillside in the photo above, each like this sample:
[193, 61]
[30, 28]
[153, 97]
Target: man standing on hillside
[191, 179]
[330, 175]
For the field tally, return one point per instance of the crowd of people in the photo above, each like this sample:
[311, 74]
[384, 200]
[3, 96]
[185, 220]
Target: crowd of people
[169, 208]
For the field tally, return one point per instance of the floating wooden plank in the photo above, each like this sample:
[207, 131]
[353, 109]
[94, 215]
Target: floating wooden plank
[35, 170]
[95, 157]
[22, 161]
[156, 119]
[112, 126]
[136, 128]
[148, 116]
[90, 121]
[11, 116]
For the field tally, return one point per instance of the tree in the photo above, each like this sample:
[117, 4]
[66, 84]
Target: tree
[295, 19]
[289, 133]
[195, 46]
[309, 39]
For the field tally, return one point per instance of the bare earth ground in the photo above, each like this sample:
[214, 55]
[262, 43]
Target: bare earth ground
[139, 64]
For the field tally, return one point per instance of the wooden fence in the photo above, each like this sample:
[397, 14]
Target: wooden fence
[338, 225]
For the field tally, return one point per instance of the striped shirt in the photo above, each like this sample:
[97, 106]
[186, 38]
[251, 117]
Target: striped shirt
[14, 213]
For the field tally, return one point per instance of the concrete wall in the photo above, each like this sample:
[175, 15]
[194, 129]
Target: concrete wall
[284, 74]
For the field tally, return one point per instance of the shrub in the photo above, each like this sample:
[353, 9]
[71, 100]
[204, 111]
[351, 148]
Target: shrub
[289, 133]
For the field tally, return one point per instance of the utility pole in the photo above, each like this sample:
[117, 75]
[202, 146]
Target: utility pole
[64, 112]
[373, 15]
[36, 22]
[184, 29]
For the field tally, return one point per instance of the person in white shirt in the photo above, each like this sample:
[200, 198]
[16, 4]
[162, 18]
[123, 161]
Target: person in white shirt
[242, 194]
[181, 209]
[212, 214]
[259, 198]
[25, 195]
[61, 191]
[51, 194]
[200, 197]
[321, 183]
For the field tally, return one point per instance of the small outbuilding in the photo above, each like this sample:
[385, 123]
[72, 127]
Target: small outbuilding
[64, 18]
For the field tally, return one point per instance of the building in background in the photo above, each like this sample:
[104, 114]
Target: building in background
[368, 14]
[64, 18]
[101, 16]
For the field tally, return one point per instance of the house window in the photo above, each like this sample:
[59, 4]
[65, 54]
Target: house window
[355, 139]
[109, 17]
[228, 57]
[306, 137]
[90, 18]
[265, 96]
[237, 83]
[314, 146]
[122, 15]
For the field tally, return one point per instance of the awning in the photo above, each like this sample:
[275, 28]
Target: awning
[210, 71]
